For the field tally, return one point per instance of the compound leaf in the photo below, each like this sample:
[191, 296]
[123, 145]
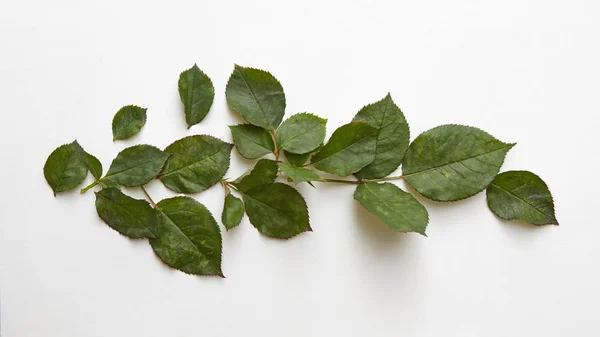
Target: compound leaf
[233, 211]
[393, 137]
[136, 165]
[350, 148]
[197, 93]
[131, 217]
[264, 172]
[453, 162]
[66, 167]
[301, 133]
[521, 195]
[188, 237]
[252, 141]
[277, 210]
[257, 96]
[196, 163]
[398, 209]
[128, 121]
[298, 174]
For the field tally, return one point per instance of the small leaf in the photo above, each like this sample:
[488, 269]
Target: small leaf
[398, 209]
[252, 141]
[350, 148]
[298, 174]
[188, 237]
[233, 211]
[128, 121]
[521, 195]
[453, 162]
[196, 163]
[297, 159]
[257, 96]
[197, 93]
[94, 165]
[131, 217]
[136, 165]
[393, 137]
[66, 167]
[301, 133]
[264, 172]
[277, 210]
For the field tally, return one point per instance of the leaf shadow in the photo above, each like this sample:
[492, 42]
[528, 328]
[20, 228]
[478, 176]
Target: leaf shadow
[376, 231]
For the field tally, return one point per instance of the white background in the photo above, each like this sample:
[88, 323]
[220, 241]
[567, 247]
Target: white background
[525, 71]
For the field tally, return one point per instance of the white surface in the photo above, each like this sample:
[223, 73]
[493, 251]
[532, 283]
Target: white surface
[526, 71]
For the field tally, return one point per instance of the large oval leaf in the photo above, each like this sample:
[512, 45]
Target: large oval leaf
[453, 162]
[128, 121]
[257, 96]
[252, 141]
[350, 148]
[131, 217]
[136, 165]
[301, 133]
[188, 237]
[393, 137]
[398, 209]
[521, 195]
[264, 172]
[196, 163]
[197, 93]
[66, 167]
[277, 210]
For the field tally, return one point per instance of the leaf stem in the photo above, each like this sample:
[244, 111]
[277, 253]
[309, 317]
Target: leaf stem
[88, 187]
[386, 178]
[148, 196]
[276, 151]
[354, 182]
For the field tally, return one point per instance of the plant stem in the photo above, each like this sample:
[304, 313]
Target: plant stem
[88, 187]
[386, 178]
[148, 196]
[354, 182]
[276, 151]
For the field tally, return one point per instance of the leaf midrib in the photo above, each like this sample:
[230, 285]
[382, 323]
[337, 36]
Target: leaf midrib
[344, 149]
[128, 212]
[192, 164]
[254, 96]
[522, 200]
[389, 207]
[298, 135]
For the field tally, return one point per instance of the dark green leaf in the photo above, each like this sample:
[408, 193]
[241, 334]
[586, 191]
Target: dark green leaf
[392, 138]
[136, 165]
[252, 141]
[521, 195]
[188, 237]
[301, 133]
[94, 165]
[297, 159]
[453, 162]
[131, 217]
[257, 96]
[233, 211]
[128, 121]
[264, 172]
[196, 163]
[66, 167]
[197, 93]
[350, 148]
[298, 174]
[277, 210]
[398, 209]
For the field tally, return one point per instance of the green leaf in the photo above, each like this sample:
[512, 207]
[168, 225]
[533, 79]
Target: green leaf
[297, 159]
[197, 93]
[252, 141]
[398, 209]
[301, 133]
[131, 217]
[350, 148]
[196, 163]
[257, 96]
[392, 138]
[94, 165]
[453, 162]
[136, 165]
[188, 237]
[264, 172]
[66, 167]
[521, 195]
[128, 121]
[298, 174]
[277, 210]
[233, 211]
